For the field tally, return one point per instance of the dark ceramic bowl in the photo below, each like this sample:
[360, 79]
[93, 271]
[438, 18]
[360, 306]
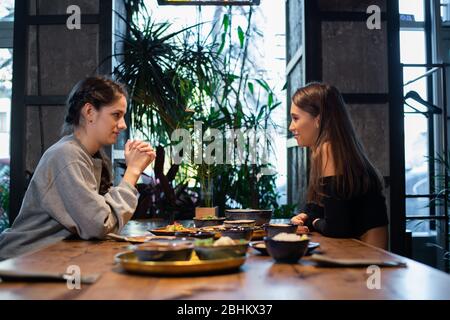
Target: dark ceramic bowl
[273, 229]
[196, 234]
[286, 251]
[238, 233]
[239, 249]
[261, 247]
[260, 216]
[164, 251]
[239, 223]
[200, 223]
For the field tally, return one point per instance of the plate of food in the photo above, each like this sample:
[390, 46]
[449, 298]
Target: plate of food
[171, 229]
[184, 257]
[143, 239]
[130, 263]
[137, 239]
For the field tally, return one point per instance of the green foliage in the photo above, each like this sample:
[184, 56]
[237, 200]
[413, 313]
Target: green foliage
[178, 78]
[4, 199]
[440, 179]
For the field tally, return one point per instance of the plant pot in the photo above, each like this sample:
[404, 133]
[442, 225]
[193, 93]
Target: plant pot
[201, 212]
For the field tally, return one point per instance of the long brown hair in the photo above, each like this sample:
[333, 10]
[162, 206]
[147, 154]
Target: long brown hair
[98, 91]
[355, 174]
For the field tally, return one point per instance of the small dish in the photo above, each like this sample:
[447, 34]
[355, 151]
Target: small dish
[273, 229]
[211, 252]
[238, 233]
[164, 251]
[208, 222]
[259, 246]
[261, 216]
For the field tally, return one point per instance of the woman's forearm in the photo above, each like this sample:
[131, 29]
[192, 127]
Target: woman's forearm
[131, 175]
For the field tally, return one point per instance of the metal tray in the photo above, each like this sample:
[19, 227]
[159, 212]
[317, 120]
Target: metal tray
[130, 263]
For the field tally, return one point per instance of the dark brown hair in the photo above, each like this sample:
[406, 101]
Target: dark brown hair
[355, 173]
[98, 91]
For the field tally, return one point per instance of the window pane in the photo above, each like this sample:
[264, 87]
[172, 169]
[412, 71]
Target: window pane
[416, 152]
[5, 100]
[418, 226]
[7, 10]
[413, 7]
[417, 206]
[412, 46]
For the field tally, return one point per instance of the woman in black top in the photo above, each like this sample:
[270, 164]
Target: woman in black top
[345, 192]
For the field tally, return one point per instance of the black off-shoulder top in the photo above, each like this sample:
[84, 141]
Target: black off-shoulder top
[346, 218]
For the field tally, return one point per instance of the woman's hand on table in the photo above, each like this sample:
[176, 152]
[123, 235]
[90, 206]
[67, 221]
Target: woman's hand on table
[299, 219]
[302, 229]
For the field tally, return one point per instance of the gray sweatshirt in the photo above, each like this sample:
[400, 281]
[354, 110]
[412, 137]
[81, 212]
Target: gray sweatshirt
[63, 200]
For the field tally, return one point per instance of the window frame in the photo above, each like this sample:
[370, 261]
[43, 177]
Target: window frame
[425, 26]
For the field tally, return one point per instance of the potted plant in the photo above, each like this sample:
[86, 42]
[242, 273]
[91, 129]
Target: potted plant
[206, 208]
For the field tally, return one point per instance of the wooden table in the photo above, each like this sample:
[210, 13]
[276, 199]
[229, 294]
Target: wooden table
[259, 277]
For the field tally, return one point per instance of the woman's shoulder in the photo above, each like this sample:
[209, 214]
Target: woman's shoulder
[333, 186]
[67, 150]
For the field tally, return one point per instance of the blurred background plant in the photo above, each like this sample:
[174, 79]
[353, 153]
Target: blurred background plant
[180, 78]
[4, 197]
[442, 182]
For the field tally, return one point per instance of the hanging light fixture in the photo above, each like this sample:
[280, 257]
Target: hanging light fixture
[209, 2]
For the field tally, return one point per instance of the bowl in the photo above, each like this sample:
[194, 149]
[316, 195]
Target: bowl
[286, 251]
[273, 229]
[239, 223]
[238, 233]
[208, 222]
[259, 246]
[164, 251]
[195, 234]
[210, 252]
[260, 216]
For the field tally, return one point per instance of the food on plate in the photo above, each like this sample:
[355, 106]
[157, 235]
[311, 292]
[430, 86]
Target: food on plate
[290, 237]
[222, 241]
[210, 217]
[176, 227]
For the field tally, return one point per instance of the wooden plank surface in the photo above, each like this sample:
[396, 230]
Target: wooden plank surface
[258, 278]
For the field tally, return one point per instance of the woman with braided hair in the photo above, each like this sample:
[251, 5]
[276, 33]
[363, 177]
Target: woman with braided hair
[71, 193]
